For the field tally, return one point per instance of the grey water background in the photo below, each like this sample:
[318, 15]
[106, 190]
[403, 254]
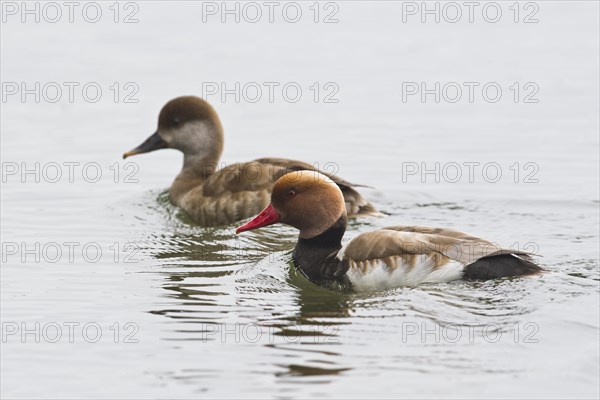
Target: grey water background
[169, 309]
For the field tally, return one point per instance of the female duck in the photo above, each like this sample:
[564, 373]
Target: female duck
[217, 197]
[382, 259]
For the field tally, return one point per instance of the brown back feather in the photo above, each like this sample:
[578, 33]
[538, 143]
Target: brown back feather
[403, 240]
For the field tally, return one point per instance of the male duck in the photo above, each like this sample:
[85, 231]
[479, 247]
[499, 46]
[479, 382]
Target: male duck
[382, 259]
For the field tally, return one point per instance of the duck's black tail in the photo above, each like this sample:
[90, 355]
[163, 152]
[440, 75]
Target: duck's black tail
[501, 266]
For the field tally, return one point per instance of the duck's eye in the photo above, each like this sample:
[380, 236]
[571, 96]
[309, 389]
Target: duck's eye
[176, 121]
[291, 193]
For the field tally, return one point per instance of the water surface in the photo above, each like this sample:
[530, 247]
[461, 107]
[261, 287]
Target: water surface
[185, 311]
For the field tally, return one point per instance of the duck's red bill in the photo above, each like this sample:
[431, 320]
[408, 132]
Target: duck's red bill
[268, 216]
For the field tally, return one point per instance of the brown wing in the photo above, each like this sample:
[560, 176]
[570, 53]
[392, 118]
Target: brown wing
[417, 240]
[262, 173]
[242, 177]
[295, 165]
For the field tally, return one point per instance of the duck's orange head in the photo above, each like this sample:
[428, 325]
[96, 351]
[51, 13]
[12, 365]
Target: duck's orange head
[306, 200]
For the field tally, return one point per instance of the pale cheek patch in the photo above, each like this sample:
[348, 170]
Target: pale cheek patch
[376, 275]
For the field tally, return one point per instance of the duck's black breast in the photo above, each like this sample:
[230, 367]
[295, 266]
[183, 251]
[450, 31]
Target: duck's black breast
[316, 257]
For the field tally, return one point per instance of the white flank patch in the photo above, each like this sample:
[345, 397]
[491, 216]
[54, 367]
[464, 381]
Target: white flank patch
[378, 276]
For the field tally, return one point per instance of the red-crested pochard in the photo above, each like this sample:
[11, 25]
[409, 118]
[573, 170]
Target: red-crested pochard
[217, 197]
[382, 259]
